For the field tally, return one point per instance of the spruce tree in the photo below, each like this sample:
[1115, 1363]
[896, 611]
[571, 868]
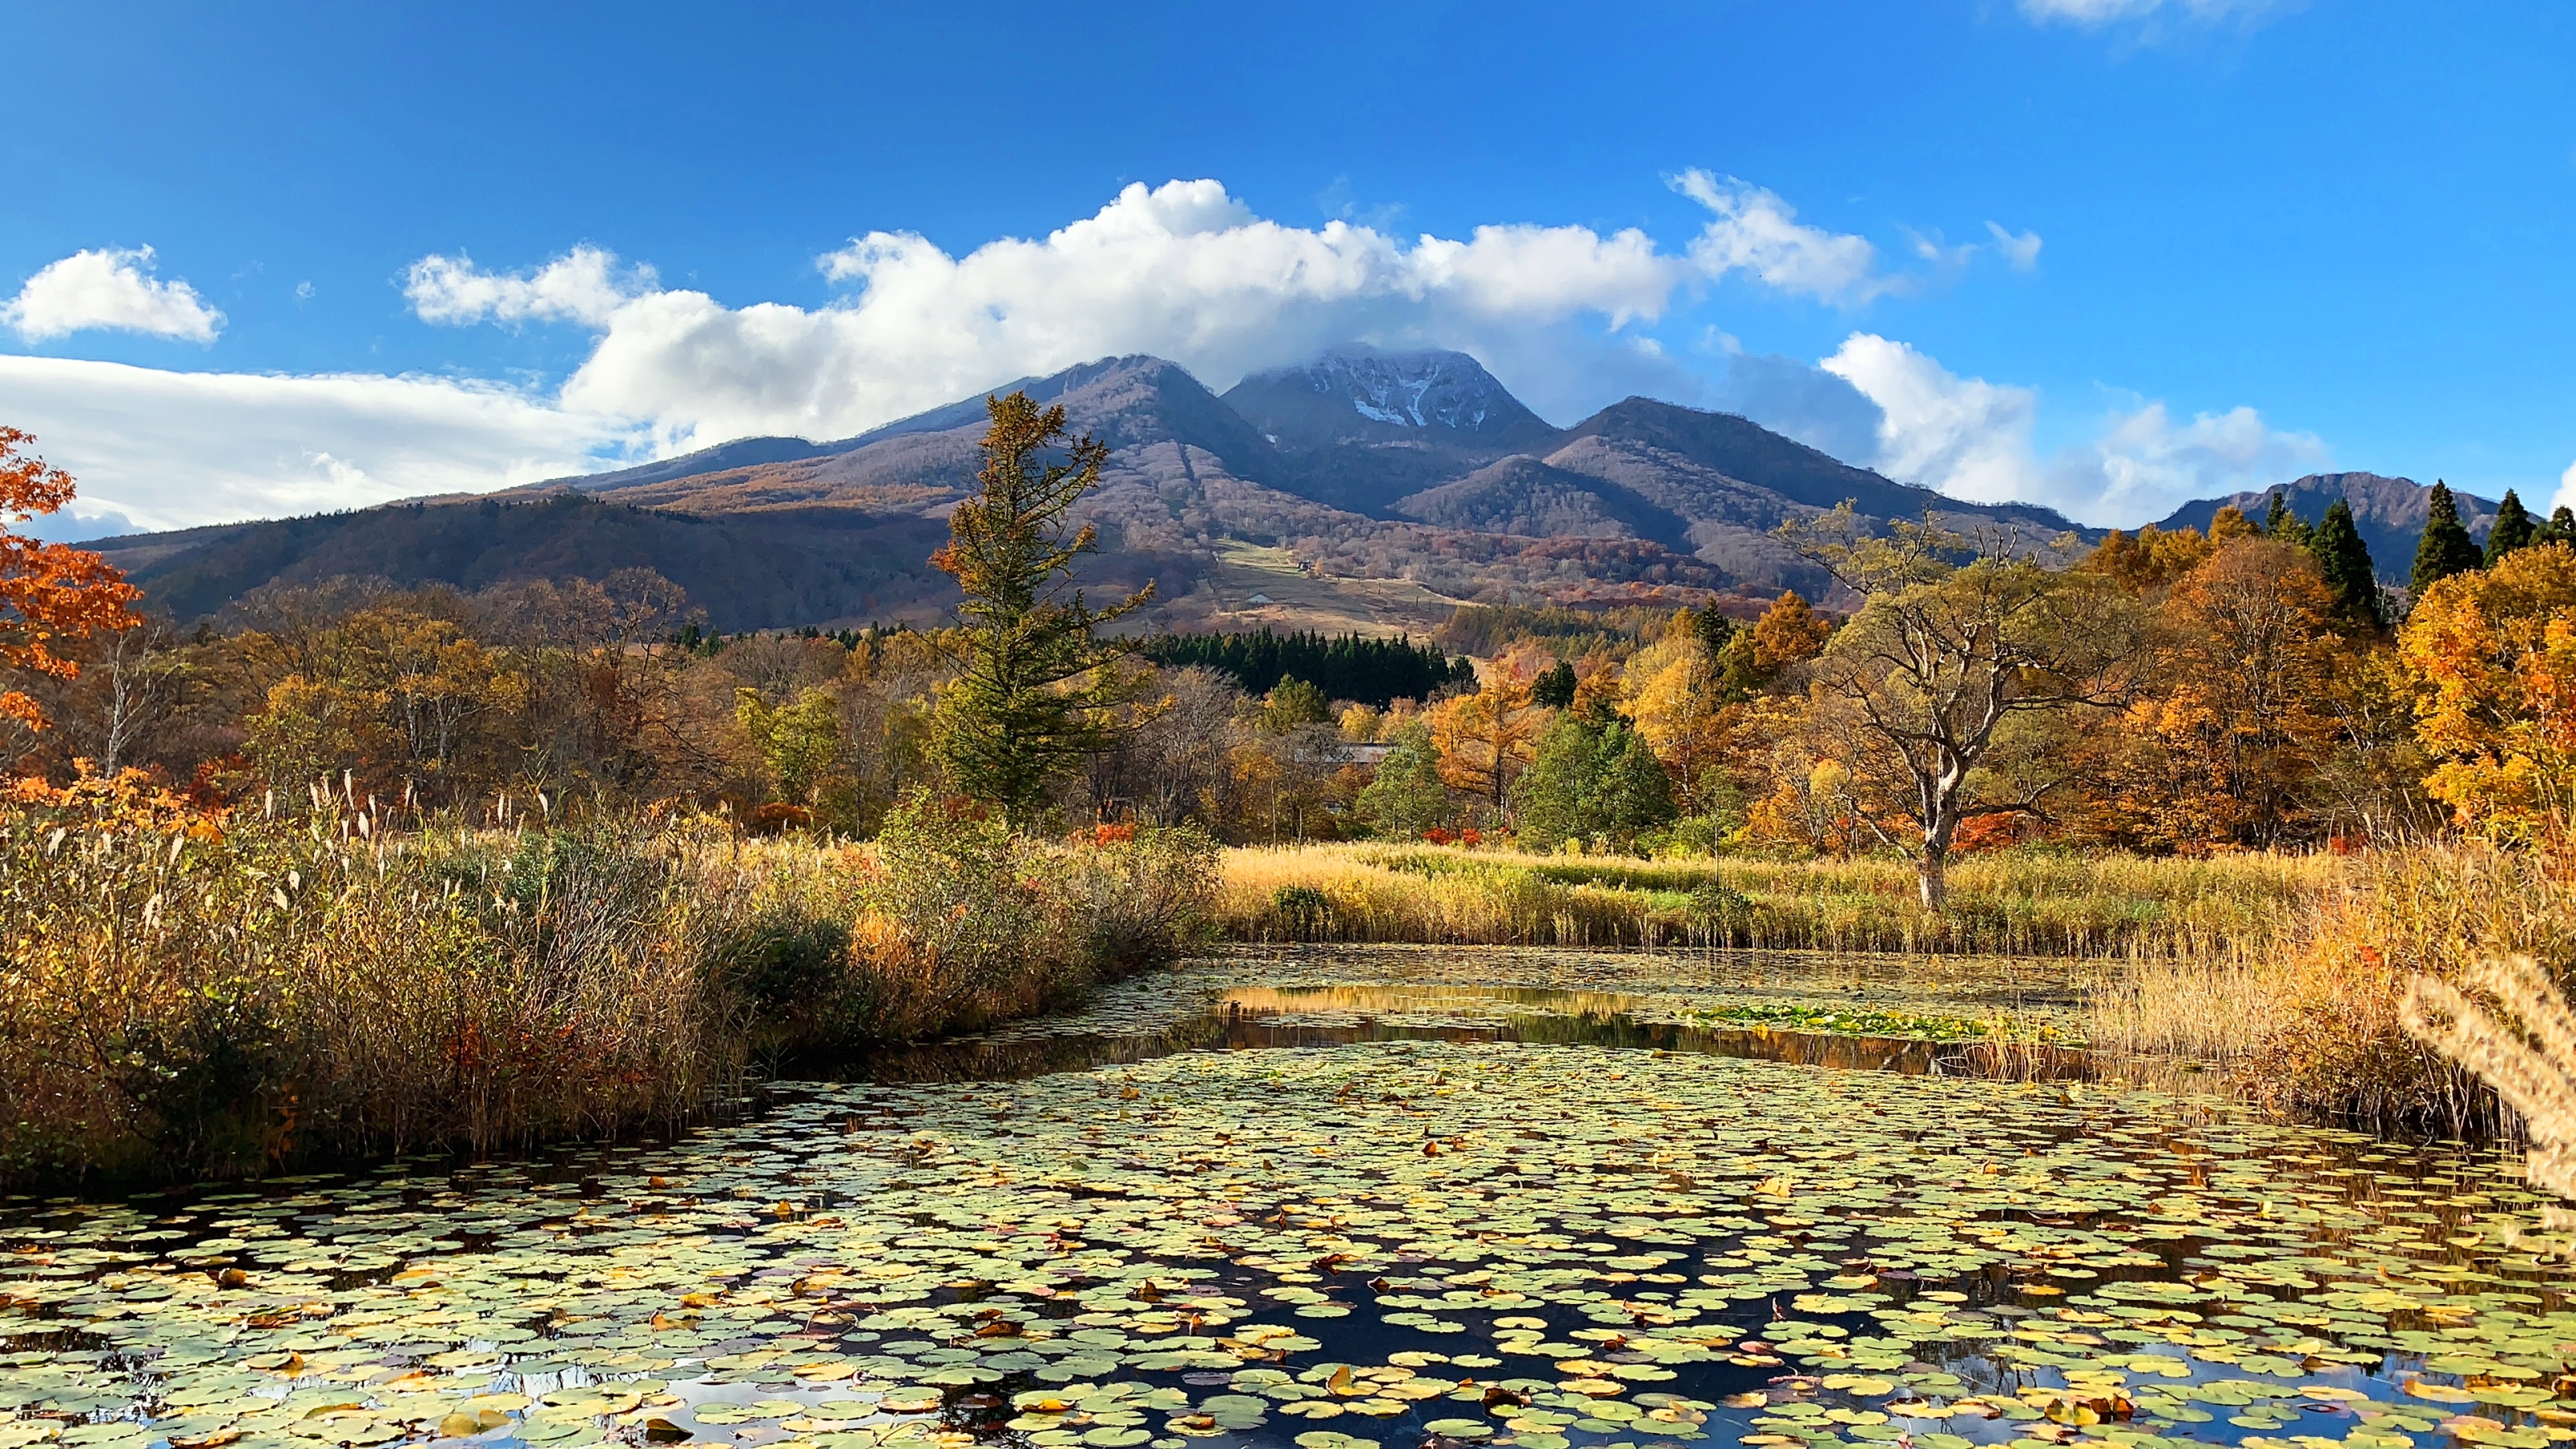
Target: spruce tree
[2344, 559]
[2446, 548]
[2513, 528]
[2561, 527]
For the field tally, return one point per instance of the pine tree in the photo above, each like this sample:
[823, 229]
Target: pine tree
[2513, 528]
[2344, 559]
[2561, 527]
[1038, 689]
[2446, 548]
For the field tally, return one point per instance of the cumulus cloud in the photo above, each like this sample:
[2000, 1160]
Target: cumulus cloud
[1971, 439]
[583, 286]
[1184, 271]
[111, 290]
[173, 449]
[2566, 489]
[1757, 233]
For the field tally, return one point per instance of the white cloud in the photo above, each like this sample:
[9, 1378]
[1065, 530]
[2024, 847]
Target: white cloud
[2107, 12]
[1964, 436]
[1971, 439]
[108, 289]
[2152, 21]
[2566, 489]
[1183, 271]
[2019, 249]
[582, 286]
[1755, 232]
[173, 449]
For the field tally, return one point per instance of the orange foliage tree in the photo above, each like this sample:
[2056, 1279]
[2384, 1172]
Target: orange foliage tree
[2247, 665]
[49, 592]
[1486, 739]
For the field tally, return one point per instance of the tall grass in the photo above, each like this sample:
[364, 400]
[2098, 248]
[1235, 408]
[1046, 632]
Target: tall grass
[2007, 902]
[178, 999]
[2314, 1027]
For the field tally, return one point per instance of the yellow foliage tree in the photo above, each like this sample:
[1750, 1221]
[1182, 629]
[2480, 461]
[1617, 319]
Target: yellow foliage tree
[2492, 656]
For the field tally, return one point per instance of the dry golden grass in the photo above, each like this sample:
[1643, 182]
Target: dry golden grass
[2014, 903]
[2314, 1027]
[181, 999]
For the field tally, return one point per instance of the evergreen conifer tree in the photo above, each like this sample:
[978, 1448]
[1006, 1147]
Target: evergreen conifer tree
[1037, 688]
[2561, 527]
[2513, 528]
[2344, 559]
[2446, 548]
[1555, 687]
[2279, 522]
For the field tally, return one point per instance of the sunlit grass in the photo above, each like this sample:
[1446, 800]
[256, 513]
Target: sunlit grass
[2013, 903]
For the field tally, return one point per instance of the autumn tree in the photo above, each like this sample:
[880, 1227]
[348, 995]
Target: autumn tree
[2221, 750]
[2150, 559]
[1037, 687]
[1485, 739]
[50, 593]
[1939, 692]
[2492, 656]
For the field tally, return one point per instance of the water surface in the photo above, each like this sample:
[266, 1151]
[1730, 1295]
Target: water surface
[1327, 1199]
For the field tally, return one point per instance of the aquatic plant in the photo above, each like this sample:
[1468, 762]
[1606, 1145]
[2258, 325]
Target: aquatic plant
[1542, 1247]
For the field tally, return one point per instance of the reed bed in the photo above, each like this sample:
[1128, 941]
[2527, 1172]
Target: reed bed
[2313, 1028]
[184, 999]
[2015, 903]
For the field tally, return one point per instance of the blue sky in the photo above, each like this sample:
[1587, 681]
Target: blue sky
[2106, 254]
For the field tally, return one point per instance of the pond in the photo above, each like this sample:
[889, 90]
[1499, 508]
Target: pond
[1427, 1199]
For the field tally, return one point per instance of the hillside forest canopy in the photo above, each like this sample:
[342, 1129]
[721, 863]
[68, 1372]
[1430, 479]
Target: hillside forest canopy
[2174, 692]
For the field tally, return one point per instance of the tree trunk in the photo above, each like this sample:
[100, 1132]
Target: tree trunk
[1936, 885]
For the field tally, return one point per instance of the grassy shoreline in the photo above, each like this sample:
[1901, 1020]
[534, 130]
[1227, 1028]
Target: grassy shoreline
[179, 1000]
[2001, 904]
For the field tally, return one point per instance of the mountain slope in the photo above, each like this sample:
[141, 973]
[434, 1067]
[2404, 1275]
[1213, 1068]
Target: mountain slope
[778, 569]
[1359, 470]
[2389, 513]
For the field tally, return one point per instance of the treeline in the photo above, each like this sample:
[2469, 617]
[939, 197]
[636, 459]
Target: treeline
[1368, 671]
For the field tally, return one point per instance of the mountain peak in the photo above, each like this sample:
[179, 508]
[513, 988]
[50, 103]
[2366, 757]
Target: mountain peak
[1363, 394]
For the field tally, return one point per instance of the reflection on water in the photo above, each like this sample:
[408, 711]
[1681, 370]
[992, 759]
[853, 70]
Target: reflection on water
[1253, 1017]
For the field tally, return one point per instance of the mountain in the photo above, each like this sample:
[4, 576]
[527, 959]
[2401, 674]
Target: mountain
[2389, 513]
[1367, 490]
[775, 569]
